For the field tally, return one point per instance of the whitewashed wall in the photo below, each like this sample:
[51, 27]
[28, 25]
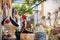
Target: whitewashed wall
[51, 6]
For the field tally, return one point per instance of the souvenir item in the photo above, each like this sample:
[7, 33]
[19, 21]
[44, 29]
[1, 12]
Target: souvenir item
[16, 15]
[15, 12]
[9, 4]
[23, 17]
[41, 34]
[7, 21]
[29, 36]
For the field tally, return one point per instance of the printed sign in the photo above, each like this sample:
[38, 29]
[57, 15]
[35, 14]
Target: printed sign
[27, 36]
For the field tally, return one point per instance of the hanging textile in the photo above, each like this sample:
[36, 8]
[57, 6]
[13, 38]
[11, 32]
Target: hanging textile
[13, 22]
[3, 21]
[9, 4]
[8, 20]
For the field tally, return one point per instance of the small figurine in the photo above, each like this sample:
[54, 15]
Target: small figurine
[49, 19]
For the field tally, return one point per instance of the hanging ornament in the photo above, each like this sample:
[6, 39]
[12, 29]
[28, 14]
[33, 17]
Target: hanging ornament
[7, 21]
[23, 17]
[9, 4]
[16, 12]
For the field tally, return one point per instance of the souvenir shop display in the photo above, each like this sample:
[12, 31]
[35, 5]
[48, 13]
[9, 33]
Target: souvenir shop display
[8, 22]
[57, 18]
[6, 36]
[54, 33]
[35, 27]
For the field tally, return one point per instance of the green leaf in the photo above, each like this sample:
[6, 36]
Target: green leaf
[28, 4]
